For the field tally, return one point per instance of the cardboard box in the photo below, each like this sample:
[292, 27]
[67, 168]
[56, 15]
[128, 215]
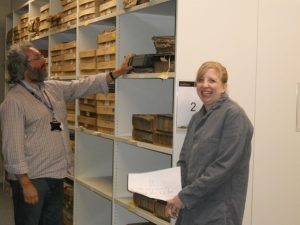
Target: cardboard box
[106, 65]
[105, 97]
[87, 14]
[107, 110]
[87, 53]
[107, 7]
[106, 50]
[107, 36]
[84, 66]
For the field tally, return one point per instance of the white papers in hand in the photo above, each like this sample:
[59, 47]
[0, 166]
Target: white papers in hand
[161, 184]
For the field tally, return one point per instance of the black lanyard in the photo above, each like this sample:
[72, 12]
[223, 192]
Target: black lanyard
[55, 125]
[50, 107]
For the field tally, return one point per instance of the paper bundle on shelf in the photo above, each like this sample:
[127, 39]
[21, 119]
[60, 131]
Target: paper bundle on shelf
[127, 4]
[88, 9]
[106, 51]
[56, 60]
[88, 116]
[87, 63]
[69, 14]
[97, 112]
[69, 59]
[33, 26]
[71, 113]
[107, 7]
[44, 23]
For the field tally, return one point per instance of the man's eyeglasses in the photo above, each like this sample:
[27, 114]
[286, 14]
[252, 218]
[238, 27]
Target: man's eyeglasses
[38, 57]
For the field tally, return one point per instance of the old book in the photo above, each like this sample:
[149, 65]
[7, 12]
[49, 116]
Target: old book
[144, 122]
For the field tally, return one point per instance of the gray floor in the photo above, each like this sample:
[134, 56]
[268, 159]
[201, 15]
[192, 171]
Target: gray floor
[6, 208]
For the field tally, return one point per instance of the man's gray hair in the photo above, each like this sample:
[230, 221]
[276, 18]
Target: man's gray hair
[17, 61]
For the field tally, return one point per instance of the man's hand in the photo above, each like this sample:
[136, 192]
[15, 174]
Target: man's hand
[173, 207]
[124, 68]
[30, 194]
[29, 190]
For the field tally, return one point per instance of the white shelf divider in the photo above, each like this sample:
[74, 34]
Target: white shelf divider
[100, 185]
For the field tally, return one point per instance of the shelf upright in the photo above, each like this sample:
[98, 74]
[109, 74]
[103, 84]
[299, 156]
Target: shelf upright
[94, 152]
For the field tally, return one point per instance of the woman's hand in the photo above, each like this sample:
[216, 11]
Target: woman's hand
[173, 207]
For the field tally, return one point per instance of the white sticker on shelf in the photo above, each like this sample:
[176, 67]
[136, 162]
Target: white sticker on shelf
[188, 103]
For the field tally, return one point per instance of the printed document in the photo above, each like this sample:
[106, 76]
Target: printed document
[160, 184]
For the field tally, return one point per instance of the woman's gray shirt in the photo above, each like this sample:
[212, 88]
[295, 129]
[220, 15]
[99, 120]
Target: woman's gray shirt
[214, 163]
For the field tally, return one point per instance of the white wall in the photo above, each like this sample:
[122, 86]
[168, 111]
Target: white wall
[224, 31]
[259, 43]
[277, 146]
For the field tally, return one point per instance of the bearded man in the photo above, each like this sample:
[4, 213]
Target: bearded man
[35, 135]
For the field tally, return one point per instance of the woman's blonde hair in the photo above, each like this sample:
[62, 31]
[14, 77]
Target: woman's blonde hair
[213, 65]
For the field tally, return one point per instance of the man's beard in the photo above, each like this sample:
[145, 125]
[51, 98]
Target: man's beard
[37, 74]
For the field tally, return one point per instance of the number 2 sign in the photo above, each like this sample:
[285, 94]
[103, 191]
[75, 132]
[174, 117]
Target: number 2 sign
[188, 103]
